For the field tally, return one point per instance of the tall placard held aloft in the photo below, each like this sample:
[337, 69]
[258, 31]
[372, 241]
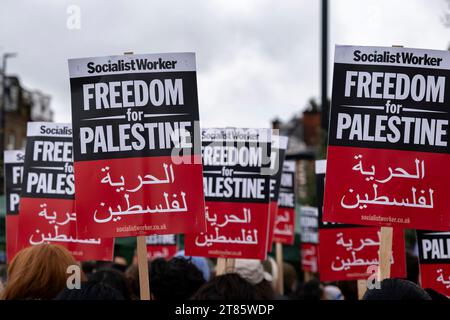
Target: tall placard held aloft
[277, 155]
[237, 192]
[13, 185]
[47, 201]
[135, 120]
[309, 238]
[388, 138]
[284, 226]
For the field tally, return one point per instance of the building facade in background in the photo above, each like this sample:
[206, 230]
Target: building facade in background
[21, 105]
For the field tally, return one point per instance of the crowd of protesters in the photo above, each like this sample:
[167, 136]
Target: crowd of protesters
[41, 273]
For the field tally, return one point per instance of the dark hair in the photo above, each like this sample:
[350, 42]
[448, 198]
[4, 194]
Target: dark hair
[90, 290]
[397, 289]
[114, 279]
[434, 295]
[289, 278]
[119, 267]
[264, 290]
[132, 276]
[226, 287]
[349, 289]
[177, 279]
[88, 267]
[311, 290]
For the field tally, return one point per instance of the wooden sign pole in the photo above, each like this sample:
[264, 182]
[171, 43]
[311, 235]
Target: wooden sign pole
[279, 258]
[141, 252]
[229, 265]
[221, 266]
[385, 253]
[362, 288]
[307, 276]
[144, 282]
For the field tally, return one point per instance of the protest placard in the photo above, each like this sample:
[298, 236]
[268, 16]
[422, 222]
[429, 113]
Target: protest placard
[309, 224]
[388, 138]
[13, 184]
[47, 205]
[161, 246]
[309, 238]
[434, 258]
[309, 257]
[135, 120]
[237, 192]
[284, 226]
[277, 155]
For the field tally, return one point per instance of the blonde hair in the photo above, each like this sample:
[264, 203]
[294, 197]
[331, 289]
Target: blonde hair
[38, 272]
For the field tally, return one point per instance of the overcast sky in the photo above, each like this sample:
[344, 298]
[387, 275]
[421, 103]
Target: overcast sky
[256, 59]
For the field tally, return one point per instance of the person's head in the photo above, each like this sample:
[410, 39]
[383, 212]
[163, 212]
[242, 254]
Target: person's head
[120, 264]
[311, 290]
[114, 279]
[264, 290]
[90, 290]
[200, 262]
[331, 292]
[270, 266]
[397, 289]
[88, 267]
[226, 287]
[132, 276]
[176, 279]
[349, 289]
[253, 271]
[289, 278]
[38, 272]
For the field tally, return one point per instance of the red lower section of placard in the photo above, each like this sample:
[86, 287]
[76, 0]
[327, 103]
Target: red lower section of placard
[310, 257]
[53, 221]
[139, 196]
[160, 251]
[12, 226]
[381, 187]
[284, 227]
[234, 230]
[352, 253]
[436, 277]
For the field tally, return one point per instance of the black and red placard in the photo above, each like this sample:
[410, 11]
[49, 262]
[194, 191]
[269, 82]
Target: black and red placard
[309, 238]
[434, 257]
[47, 205]
[388, 138]
[135, 121]
[13, 184]
[237, 193]
[278, 153]
[284, 226]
